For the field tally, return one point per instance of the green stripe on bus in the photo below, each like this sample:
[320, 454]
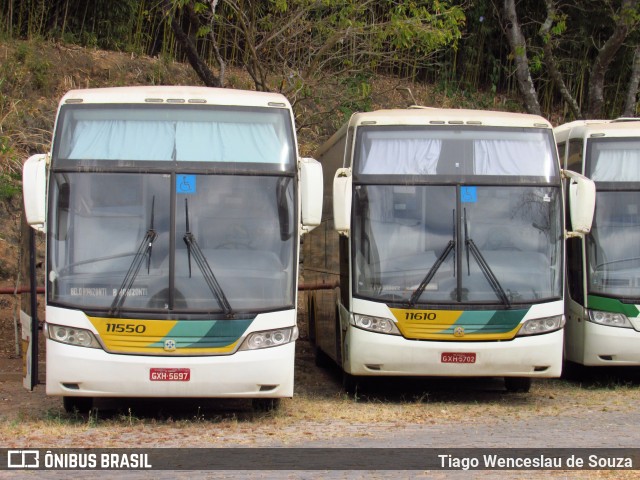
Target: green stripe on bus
[613, 305]
[206, 333]
[489, 321]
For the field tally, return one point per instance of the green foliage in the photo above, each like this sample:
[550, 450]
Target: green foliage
[560, 25]
[34, 68]
[22, 51]
[357, 95]
[40, 73]
[536, 63]
[286, 43]
[10, 169]
[10, 186]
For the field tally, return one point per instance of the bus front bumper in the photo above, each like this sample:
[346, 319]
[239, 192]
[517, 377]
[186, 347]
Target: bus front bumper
[610, 346]
[88, 372]
[371, 354]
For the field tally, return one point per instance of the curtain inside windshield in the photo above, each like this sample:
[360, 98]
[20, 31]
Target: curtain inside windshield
[448, 244]
[615, 161]
[613, 250]
[111, 242]
[430, 151]
[175, 134]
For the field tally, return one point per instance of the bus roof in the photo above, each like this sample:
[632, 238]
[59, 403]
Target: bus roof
[627, 127]
[430, 116]
[444, 116]
[176, 95]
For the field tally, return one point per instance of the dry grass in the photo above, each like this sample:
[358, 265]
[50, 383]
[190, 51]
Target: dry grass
[309, 416]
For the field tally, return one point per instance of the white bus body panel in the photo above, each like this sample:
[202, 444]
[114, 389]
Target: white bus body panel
[91, 372]
[534, 356]
[620, 344]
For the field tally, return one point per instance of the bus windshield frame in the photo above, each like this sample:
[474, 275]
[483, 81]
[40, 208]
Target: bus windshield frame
[156, 235]
[612, 251]
[429, 228]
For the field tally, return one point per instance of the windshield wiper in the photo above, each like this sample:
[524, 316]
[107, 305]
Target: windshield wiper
[484, 266]
[434, 268]
[205, 268]
[144, 249]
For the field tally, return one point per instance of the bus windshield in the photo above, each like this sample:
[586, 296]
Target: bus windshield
[172, 209]
[498, 245]
[242, 226]
[457, 217]
[614, 160]
[130, 135]
[613, 252]
[445, 152]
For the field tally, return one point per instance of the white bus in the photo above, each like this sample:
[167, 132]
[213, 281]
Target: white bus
[172, 219]
[603, 268]
[445, 247]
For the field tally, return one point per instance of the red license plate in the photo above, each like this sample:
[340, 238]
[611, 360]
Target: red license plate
[169, 374]
[458, 357]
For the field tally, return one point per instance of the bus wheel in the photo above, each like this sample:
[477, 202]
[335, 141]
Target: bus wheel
[573, 371]
[77, 404]
[320, 358]
[350, 383]
[311, 320]
[265, 404]
[517, 384]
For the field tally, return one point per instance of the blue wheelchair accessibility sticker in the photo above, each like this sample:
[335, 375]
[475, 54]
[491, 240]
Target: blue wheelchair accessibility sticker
[468, 194]
[186, 184]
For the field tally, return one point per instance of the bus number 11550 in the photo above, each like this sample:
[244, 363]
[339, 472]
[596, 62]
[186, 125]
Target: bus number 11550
[125, 328]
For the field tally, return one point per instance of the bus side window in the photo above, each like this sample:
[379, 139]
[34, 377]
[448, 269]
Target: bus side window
[574, 160]
[561, 153]
[63, 211]
[575, 274]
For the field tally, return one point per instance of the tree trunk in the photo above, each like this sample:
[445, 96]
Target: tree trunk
[197, 63]
[552, 63]
[605, 56]
[519, 51]
[632, 90]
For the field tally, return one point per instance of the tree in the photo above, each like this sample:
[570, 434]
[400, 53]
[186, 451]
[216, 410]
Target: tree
[551, 61]
[518, 45]
[285, 41]
[171, 9]
[632, 88]
[291, 45]
[625, 19]
[584, 38]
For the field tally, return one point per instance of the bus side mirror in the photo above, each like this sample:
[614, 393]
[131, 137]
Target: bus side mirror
[342, 201]
[582, 203]
[34, 190]
[310, 193]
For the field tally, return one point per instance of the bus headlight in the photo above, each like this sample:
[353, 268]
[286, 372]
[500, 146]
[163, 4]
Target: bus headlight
[610, 319]
[536, 326]
[71, 336]
[270, 338]
[374, 324]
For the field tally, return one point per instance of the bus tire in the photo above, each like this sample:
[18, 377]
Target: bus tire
[320, 358]
[517, 384]
[77, 404]
[573, 371]
[311, 319]
[265, 404]
[350, 383]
